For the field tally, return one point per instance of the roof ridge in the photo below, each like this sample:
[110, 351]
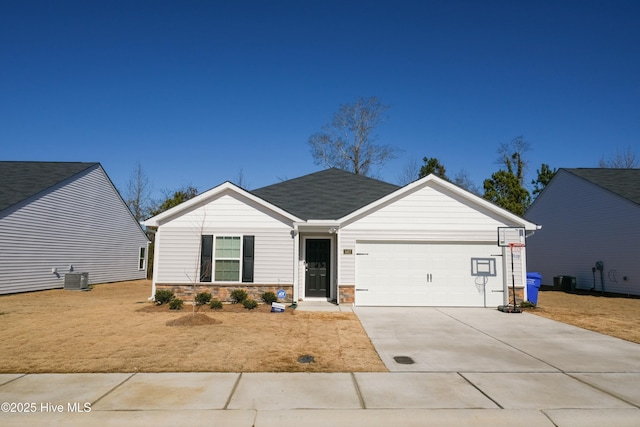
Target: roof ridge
[326, 194]
[24, 179]
[613, 180]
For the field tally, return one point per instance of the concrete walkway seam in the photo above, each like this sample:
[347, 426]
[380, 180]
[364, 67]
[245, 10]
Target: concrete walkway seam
[481, 392]
[233, 390]
[113, 389]
[603, 391]
[358, 392]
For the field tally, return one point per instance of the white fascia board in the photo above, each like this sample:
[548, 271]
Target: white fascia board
[423, 182]
[157, 220]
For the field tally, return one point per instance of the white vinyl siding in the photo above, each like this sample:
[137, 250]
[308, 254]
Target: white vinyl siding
[228, 215]
[81, 225]
[433, 209]
[584, 224]
[428, 214]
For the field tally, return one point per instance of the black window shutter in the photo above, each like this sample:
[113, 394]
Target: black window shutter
[247, 258]
[206, 258]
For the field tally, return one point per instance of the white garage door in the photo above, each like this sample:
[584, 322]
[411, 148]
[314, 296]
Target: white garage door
[428, 274]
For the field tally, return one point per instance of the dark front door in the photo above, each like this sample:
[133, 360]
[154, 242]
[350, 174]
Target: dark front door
[318, 254]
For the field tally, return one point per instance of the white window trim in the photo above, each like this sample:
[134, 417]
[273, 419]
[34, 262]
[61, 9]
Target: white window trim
[214, 259]
[143, 258]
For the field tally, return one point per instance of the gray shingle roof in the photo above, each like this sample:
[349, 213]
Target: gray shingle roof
[328, 194]
[623, 182]
[21, 180]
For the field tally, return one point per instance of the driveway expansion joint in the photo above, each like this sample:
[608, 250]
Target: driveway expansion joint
[480, 390]
[233, 390]
[113, 389]
[358, 391]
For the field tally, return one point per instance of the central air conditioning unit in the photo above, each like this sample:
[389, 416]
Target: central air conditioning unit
[76, 281]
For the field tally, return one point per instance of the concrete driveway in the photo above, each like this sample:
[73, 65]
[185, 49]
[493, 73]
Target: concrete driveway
[515, 360]
[486, 340]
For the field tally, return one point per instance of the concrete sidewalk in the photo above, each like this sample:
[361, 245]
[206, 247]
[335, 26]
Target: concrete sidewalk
[336, 399]
[471, 367]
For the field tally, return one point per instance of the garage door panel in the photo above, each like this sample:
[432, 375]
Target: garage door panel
[419, 274]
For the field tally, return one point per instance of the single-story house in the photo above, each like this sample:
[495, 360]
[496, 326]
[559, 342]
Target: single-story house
[334, 235]
[591, 232]
[59, 220]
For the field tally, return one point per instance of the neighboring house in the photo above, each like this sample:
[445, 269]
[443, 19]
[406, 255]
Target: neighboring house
[591, 229]
[334, 235]
[58, 218]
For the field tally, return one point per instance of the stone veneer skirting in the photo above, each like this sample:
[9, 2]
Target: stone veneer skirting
[222, 293]
[346, 294]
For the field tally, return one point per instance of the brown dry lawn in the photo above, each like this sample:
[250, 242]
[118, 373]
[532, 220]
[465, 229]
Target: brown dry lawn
[615, 316]
[113, 328]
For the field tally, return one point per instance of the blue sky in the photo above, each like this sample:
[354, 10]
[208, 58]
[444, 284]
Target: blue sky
[198, 90]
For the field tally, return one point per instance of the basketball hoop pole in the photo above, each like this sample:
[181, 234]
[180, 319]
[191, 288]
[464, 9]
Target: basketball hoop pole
[513, 278]
[511, 237]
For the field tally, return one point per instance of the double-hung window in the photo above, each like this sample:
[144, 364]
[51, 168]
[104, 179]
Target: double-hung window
[226, 258]
[142, 258]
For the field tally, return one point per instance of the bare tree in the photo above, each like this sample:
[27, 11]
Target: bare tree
[138, 196]
[348, 142]
[241, 180]
[621, 159]
[409, 173]
[463, 180]
[511, 153]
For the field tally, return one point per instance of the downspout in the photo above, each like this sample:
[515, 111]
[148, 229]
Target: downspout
[337, 268]
[156, 265]
[296, 263]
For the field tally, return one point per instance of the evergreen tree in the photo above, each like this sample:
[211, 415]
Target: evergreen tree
[545, 174]
[433, 166]
[506, 188]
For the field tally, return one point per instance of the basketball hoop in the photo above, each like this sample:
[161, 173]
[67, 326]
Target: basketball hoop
[516, 248]
[515, 239]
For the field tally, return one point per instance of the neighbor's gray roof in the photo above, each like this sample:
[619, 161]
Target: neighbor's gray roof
[328, 194]
[21, 180]
[623, 182]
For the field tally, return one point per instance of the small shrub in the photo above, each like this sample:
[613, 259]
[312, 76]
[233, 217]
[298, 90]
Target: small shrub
[239, 295]
[215, 305]
[176, 304]
[269, 297]
[203, 298]
[164, 296]
[249, 304]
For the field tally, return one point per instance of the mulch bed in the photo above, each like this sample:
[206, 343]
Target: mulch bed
[227, 308]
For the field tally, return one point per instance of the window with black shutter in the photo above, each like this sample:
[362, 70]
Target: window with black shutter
[206, 258]
[247, 258]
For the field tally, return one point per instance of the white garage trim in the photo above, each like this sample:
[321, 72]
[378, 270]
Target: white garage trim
[462, 274]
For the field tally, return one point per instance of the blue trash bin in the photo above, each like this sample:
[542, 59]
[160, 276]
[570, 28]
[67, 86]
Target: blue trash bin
[534, 280]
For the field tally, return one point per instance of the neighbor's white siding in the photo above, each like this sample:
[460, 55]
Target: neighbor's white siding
[178, 240]
[583, 224]
[82, 223]
[429, 214]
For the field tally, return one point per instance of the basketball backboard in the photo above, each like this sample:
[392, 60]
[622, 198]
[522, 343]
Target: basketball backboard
[508, 236]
